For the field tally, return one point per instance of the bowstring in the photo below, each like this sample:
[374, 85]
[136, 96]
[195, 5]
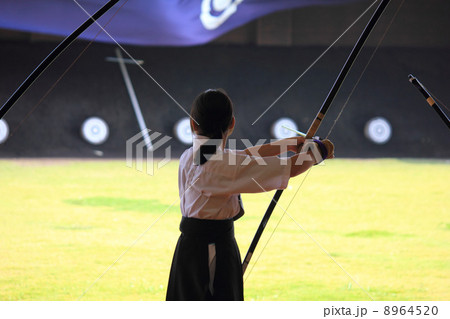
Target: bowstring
[276, 226]
[440, 102]
[435, 98]
[33, 109]
[331, 129]
[365, 68]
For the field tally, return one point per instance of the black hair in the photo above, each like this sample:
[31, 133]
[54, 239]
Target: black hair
[212, 110]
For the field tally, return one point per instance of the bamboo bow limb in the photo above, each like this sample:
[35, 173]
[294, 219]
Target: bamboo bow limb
[317, 121]
[429, 99]
[52, 56]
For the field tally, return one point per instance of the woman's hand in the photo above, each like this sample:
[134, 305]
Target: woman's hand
[326, 149]
[296, 146]
[330, 148]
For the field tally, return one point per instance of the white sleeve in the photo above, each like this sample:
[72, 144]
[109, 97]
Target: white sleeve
[247, 174]
[263, 174]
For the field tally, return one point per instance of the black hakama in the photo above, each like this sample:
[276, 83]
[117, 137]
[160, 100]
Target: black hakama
[206, 263]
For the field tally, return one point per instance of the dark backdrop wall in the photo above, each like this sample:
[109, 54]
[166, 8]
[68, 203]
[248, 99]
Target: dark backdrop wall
[255, 67]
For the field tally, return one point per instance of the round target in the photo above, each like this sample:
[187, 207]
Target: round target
[279, 129]
[182, 130]
[4, 131]
[95, 130]
[378, 130]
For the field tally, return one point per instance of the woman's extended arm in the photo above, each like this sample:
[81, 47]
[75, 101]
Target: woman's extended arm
[310, 154]
[276, 148]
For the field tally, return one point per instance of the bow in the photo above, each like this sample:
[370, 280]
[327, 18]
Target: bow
[429, 99]
[317, 121]
[52, 56]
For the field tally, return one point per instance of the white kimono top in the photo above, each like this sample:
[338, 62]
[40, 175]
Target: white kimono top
[211, 190]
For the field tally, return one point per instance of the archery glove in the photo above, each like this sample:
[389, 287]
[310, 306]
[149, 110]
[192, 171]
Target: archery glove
[326, 148]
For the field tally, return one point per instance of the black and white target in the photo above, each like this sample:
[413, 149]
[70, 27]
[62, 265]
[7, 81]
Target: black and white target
[182, 130]
[279, 130]
[95, 130]
[4, 131]
[378, 130]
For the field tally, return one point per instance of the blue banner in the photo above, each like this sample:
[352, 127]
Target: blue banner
[144, 22]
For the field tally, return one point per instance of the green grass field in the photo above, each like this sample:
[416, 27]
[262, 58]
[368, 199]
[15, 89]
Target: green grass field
[386, 222]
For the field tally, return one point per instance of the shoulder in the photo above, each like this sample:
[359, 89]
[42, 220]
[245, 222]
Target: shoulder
[187, 154]
[228, 163]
